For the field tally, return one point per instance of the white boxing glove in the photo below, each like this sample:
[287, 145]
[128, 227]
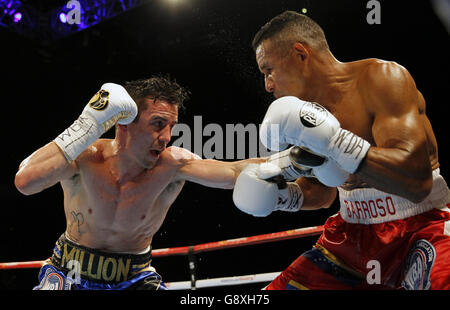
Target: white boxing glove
[297, 162]
[290, 169]
[111, 105]
[290, 120]
[330, 173]
[258, 197]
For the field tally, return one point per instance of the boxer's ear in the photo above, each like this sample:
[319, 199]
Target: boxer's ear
[301, 50]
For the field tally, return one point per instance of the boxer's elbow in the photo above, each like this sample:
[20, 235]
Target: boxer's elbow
[316, 195]
[329, 198]
[419, 189]
[24, 182]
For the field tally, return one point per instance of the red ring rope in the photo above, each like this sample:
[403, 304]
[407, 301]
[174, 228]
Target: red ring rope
[211, 246]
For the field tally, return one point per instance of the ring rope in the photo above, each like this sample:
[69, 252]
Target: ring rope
[204, 247]
[211, 246]
[225, 281]
[231, 243]
[22, 265]
[190, 251]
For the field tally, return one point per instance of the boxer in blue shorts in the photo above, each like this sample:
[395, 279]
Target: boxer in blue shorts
[118, 191]
[97, 270]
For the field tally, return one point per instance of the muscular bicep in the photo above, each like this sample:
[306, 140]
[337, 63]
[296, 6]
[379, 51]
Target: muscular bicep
[398, 163]
[209, 172]
[401, 131]
[397, 111]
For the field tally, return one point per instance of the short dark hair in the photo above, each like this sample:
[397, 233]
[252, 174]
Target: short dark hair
[157, 87]
[289, 27]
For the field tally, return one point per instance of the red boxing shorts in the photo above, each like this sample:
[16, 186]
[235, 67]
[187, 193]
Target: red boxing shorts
[378, 241]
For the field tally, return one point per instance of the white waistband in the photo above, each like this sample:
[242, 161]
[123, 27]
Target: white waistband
[371, 206]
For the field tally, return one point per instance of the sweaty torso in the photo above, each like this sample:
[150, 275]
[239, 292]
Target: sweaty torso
[354, 113]
[105, 213]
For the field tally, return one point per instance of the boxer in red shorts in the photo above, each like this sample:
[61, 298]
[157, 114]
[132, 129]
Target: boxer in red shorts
[367, 119]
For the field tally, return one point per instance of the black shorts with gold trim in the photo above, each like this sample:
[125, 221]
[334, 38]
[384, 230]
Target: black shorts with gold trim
[86, 268]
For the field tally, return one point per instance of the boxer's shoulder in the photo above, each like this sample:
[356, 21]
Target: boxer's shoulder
[175, 155]
[97, 152]
[381, 74]
[373, 74]
[385, 84]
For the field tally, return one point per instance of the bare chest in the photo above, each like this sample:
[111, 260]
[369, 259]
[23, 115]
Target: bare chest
[143, 200]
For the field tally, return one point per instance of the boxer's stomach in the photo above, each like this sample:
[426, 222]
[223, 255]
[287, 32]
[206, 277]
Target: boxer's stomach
[113, 238]
[122, 228]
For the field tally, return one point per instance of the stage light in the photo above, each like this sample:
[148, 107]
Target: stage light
[304, 10]
[17, 17]
[63, 18]
[175, 2]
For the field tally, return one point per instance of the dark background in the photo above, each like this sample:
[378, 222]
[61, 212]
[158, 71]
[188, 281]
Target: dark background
[206, 46]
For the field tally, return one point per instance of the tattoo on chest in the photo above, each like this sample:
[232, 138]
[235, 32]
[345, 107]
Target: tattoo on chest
[78, 220]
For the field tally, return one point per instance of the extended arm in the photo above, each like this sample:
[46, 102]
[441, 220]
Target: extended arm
[252, 194]
[209, 172]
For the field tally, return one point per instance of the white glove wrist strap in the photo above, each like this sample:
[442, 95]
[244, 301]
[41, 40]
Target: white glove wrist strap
[348, 149]
[82, 133]
[290, 199]
[289, 170]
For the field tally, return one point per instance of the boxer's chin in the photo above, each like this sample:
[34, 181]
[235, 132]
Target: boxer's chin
[154, 154]
[149, 160]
